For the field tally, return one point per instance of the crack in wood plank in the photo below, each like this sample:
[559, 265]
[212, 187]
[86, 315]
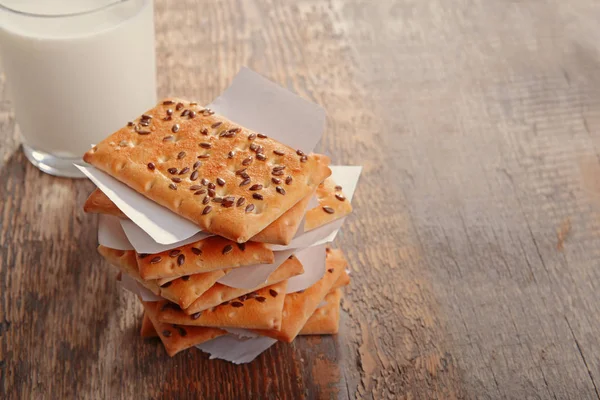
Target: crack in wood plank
[583, 358]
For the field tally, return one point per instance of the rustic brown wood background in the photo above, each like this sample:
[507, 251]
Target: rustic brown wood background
[475, 243]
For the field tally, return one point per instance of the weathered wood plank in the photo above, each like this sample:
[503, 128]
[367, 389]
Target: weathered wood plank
[477, 123]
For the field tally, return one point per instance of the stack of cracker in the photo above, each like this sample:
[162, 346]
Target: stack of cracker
[249, 194]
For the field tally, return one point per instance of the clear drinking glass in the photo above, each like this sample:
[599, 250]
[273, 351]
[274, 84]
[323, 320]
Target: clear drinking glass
[77, 70]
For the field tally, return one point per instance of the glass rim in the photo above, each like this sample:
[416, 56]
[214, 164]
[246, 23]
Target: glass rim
[64, 15]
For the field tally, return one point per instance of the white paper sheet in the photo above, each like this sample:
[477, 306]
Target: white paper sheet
[347, 177]
[316, 236]
[257, 103]
[235, 349]
[110, 233]
[251, 100]
[313, 261]
[159, 222]
[143, 243]
[250, 276]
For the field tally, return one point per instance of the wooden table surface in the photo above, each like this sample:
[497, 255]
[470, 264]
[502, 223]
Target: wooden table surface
[475, 239]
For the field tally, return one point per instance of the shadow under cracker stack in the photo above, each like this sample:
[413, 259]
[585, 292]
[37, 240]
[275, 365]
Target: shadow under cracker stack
[208, 169]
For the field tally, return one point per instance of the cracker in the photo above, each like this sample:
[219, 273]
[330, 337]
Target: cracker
[333, 205]
[125, 261]
[257, 310]
[325, 320]
[158, 156]
[147, 330]
[206, 255]
[162, 281]
[299, 306]
[343, 280]
[183, 291]
[176, 338]
[221, 293]
[99, 203]
[281, 231]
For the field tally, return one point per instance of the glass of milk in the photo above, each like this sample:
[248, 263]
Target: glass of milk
[77, 70]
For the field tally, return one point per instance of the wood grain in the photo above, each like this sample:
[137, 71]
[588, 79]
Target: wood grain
[474, 242]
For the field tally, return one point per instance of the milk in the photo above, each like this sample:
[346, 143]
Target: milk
[75, 80]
